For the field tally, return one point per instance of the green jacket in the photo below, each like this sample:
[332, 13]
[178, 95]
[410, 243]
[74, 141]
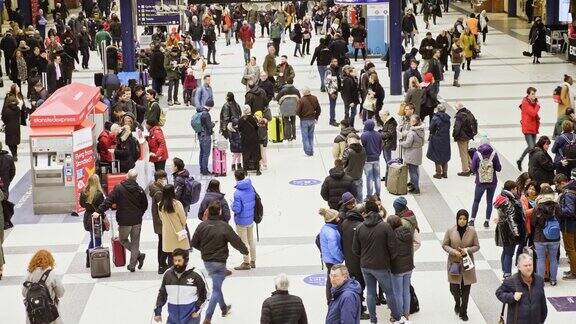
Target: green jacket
[100, 36]
[276, 30]
[172, 72]
[152, 112]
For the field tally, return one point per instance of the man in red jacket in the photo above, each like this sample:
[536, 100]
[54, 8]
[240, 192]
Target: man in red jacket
[106, 142]
[157, 145]
[530, 122]
[246, 35]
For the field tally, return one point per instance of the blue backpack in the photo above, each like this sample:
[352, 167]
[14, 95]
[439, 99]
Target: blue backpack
[191, 192]
[196, 122]
[552, 229]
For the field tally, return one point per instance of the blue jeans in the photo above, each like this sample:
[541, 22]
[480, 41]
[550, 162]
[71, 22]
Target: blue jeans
[216, 271]
[333, 108]
[384, 279]
[478, 193]
[530, 142]
[198, 46]
[307, 130]
[173, 85]
[506, 258]
[401, 288]
[98, 241]
[322, 70]
[387, 154]
[414, 176]
[358, 184]
[456, 68]
[350, 113]
[550, 248]
[372, 171]
[205, 143]
[246, 54]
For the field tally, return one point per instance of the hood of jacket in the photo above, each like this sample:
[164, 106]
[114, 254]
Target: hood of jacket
[184, 173]
[420, 130]
[354, 214]
[213, 195]
[485, 149]
[403, 234]
[369, 125]
[545, 198]
[343, 134]
[372, 219]
[336, 173]
[244, 184]
[349, 285]
[357, 147]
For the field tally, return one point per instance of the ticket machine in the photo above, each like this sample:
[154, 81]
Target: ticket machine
[62, 147]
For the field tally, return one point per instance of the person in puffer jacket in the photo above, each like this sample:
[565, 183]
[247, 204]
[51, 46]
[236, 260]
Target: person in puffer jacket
[402, 266]
[354, 158]
[340, 140]
[335, 184]
[508, 232]
[243, 208]
[330, 243]
[106, 141]
[411, 147]
[184, 290]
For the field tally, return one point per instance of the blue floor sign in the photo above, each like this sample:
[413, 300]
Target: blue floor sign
[563, 304]
[317, 279]
[304, 182]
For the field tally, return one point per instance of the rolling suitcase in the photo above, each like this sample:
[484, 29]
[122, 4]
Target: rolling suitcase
[276, 130]
[99, 257]
[118, 252]
[397, 179]
[218, 162]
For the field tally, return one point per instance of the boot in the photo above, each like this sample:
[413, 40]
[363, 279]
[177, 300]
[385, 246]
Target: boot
[243, 266]
[87, 259]
[233, 167]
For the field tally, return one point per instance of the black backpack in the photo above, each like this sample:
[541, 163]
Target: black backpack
[569, 149]
[258, 209]
[472, 123]
[40, 306]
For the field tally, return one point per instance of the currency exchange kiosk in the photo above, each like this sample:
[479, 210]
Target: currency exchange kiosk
[62, 147]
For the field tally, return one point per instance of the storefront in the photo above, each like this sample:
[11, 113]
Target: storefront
[537, 8]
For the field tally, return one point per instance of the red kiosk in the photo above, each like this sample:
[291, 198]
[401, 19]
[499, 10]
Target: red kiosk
[62, 147]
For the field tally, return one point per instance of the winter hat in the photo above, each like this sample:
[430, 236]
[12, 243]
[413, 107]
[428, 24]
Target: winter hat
[384, 115]
[346, 198]
[400, 203]
[428, 77]
[209, 103]
[328, 214]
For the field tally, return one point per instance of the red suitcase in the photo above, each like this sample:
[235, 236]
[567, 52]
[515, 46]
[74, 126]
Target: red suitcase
[112, 180]
[118, 251]
[218, 162]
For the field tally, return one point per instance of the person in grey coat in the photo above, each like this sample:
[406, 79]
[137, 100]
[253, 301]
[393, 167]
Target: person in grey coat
[41, 262]
[288, 98]
[439, 144]
[411, 145]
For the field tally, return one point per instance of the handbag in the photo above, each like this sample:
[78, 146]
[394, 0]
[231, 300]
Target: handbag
[248, 44]
[454, 268]
[402, 109]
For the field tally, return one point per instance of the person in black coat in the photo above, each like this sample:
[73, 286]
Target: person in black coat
[465, 128]
[339, 48]
[11, 117]
[349, 93]
[540, 164]
[7, 170]
[212, 195]
[157, 71]
[439, 142]
[127, 149]
[8, 45]
[524, 294]
[296, 37]
[389, 135]
[537, 39]
[427, 46]
[248, 128]
[336, 184]
[265, 83]
[443, 44]
[282, 307]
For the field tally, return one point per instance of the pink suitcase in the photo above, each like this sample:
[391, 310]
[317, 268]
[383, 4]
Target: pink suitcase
[218, 162]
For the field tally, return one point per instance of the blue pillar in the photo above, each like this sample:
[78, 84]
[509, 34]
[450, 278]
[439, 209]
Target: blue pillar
[25, 9]
[128, 50]
[552, 12]
[511, 8]
[395, 48]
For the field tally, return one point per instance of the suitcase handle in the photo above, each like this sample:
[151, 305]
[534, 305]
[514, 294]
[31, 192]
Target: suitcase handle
[94, 233]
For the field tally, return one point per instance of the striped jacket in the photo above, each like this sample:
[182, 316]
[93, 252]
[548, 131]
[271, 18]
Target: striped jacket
[185, 294]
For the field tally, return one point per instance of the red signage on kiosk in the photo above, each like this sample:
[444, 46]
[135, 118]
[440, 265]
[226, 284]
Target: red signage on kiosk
[62, 146]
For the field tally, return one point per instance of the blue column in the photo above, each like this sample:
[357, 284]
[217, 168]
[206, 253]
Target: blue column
[552, 12]
[128, 50]
[25, 11]
[395, 48]
[511, 8]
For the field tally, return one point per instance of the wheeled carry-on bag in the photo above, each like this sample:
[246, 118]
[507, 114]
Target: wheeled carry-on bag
[276, 130]
[218, 162]
[118, 251]
[397, 176]
[99, 256]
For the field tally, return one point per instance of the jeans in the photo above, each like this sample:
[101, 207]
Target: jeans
[246, 233]
[506, 258]
[306, 46]
[550, 248]
[372, 171]
[408, 37]
[456, 68]
[97, 240]
[173, 85]
[401, 289]
[132, 244]
[358, 184]
[384, 279]
[531, 142]
[414, 176]
[298, 48]
[322, 71]
[198, 46]
[350, 113]
[307, 131]
[289, 127]
[333, 108]
[246, 54]
[387, 154]
[216, 271]
[205, 145]
[570, 247]
[212, 52]
[478, 193]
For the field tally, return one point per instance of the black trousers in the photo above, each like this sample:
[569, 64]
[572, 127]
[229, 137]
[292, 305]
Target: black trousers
[212, 51]
[276, 42]
[163, 257]
[85, 56]
[289, 127]
[461, 294]
[328, 283]
[264, 26]
[306, 46]
[160, 165]
[13, 150]
[356, 53]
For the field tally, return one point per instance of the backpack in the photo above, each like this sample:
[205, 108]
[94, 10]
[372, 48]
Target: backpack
[556, 94]
[472, 123]
[162, 119]
[258, 209]
[193, 96]
[196, 122]
[569, 149]
[551, 229]
[40, 306]
[191, 192]
[486, 168]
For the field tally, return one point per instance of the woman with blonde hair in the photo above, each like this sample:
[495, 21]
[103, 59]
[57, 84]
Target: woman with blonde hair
[414, 95]
[40, 269]
[90, 198]
[173, 218]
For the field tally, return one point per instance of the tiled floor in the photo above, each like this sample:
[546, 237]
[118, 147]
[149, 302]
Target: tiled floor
[492, 90]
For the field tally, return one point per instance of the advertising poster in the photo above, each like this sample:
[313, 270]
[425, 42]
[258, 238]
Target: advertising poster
[157, 12]
[84, 161]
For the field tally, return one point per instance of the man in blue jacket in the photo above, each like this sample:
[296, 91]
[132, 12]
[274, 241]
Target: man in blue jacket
[204, 92]
[372, 142]
[205, 136]
[330, 244]
[346, 299]
[243, 208]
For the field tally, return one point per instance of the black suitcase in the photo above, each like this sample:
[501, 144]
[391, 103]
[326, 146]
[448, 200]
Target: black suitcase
[98, 77]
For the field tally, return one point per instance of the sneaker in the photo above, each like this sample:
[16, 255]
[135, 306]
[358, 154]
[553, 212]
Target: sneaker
[177, 103]
[170, 103]
[141, 258]
[258, 172]
[131, 269]
[243, 266]
[228, 273]
[486, 224]
[569, 276]
[471, 222]
[553, 283]
[457, 309]
[445, 175]
[252, 264]
[215, 63]
[566, 273]
[464, 173]
[226, 311]
[335, 124]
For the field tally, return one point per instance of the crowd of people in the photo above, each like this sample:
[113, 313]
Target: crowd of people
[363, 245]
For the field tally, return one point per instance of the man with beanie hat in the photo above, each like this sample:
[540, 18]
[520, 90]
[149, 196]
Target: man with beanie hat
[205, 136]
[372, 142]
[330, 244]
[375, 244]
[353, 159]
[336, 185]
[567, 201]
[408, 218]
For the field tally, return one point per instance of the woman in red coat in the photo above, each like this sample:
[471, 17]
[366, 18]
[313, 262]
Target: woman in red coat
[530, 121]
[157, 145]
